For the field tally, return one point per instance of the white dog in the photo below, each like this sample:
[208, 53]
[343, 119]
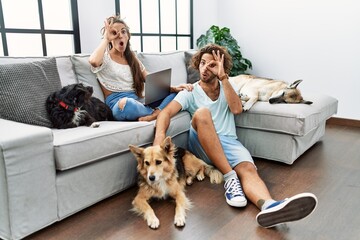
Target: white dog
[252, 89]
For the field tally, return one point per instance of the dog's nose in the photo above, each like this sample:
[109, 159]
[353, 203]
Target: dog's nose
[152, 178]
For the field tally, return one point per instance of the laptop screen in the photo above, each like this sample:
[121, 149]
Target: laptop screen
[157, 86]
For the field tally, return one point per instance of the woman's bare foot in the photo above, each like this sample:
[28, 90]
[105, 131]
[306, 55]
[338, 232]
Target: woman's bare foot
[151, 117]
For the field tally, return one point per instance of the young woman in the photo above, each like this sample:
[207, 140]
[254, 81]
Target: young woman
[122, 75]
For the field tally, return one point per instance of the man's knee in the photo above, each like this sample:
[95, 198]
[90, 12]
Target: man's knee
[202, 115]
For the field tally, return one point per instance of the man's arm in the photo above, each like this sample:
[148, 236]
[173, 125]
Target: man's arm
[216, 66]
[232, 98]
[163, 121]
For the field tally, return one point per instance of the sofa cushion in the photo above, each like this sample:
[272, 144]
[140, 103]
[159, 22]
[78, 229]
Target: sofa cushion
[294, 119]
[93, 144]
[193, 75]
[276, 146]
[83, 145]
[154, 62]
[64, 66]
[24, 89]
[66, 70]
[84, 75]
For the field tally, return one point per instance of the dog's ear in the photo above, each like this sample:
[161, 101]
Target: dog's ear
[137, 151]
[278, 98]
[167, 145]
[294, 84]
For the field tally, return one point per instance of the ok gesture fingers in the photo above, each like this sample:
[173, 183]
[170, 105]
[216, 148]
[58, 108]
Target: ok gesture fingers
[110, 32]
[216, 66]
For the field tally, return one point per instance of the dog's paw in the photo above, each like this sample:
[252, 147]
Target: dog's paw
[189, 180]
[200, 176]
[179, 220]
[247, 107]
[95, 125]
[153, 222]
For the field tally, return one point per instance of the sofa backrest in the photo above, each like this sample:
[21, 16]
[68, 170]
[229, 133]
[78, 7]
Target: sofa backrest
[84, 74]
[64, 66]
[71, 69]
[154, 62]
[76, 68]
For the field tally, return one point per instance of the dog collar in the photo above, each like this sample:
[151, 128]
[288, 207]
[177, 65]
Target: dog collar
[67, 107]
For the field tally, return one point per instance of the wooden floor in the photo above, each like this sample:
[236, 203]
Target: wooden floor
[330, 170]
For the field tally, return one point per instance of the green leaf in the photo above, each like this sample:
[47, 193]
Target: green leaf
[247, 61]
[225, 30]
[224, 38]
[214, 28]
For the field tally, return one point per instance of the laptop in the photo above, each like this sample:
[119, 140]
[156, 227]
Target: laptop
[157, 86]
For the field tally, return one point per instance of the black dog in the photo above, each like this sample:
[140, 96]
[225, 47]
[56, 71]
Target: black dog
[74, 106]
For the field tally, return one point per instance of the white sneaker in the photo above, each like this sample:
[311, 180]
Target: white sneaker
[234, 194]
[287, 210]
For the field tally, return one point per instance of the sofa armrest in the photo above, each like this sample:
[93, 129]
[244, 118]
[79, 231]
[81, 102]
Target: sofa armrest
[28, 198]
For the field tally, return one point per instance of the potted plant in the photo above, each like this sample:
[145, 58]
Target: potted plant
[223, 38]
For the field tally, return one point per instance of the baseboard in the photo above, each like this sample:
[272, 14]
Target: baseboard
[343, 122]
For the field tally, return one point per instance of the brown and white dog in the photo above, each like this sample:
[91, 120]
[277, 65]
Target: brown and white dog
[164, 170]
[252, 89]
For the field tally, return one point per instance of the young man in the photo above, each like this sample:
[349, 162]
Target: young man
[212, 104]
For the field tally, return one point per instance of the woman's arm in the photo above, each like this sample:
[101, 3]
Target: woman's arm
[96, 58]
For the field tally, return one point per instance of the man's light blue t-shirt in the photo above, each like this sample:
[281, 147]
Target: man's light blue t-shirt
[222, 117]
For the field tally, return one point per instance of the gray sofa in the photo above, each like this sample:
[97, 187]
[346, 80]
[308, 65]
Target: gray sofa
[48, 174]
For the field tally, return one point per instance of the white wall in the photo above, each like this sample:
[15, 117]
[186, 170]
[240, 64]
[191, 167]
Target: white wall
[317, 41]
[92, 14]
[205, 15]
